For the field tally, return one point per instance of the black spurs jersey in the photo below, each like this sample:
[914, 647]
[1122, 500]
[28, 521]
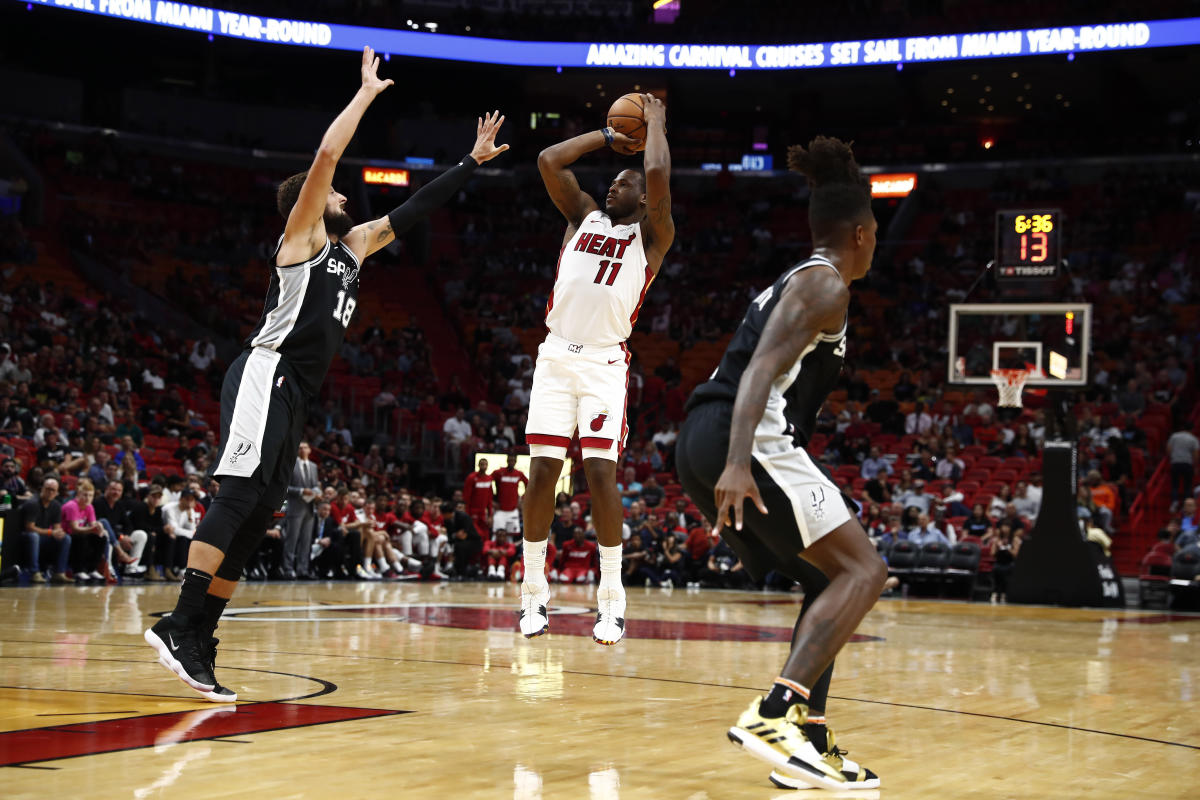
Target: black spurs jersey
[309, 306]
[797, 395]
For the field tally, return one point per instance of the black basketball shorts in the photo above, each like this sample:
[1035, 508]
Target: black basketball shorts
[263, 411]
[803, 501]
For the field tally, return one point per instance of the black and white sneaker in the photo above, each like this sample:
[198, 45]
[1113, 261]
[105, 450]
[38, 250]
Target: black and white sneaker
[225, 695]
[182, 651]
[533, 617]
[610, 617]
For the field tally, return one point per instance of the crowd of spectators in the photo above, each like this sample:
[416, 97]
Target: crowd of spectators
[104, 375]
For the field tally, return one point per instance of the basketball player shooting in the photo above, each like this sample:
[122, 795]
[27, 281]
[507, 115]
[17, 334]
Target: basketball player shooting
[608, 259]
[267, 391]
[745, 437]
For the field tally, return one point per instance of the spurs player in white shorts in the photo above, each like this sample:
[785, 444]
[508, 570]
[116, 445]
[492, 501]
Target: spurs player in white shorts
[609, 257]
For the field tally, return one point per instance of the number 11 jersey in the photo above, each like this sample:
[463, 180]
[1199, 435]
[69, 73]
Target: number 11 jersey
[600, 283]
[308, 308]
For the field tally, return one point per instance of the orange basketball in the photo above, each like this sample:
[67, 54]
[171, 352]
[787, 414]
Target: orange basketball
[625, 116]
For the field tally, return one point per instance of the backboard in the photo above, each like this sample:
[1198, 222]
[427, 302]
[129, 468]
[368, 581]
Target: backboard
[1051, 340]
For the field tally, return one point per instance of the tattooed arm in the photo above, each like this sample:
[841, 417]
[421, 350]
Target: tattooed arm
[365, 239]
[659, 226]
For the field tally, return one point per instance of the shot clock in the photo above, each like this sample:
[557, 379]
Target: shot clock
[1027, 244]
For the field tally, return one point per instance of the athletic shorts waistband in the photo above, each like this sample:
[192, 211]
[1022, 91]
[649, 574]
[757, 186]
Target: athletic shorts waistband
[559, 344]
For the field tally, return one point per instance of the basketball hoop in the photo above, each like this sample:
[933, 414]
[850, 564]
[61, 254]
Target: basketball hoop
[1010, 383]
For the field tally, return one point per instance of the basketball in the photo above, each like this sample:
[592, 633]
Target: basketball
[625, 116]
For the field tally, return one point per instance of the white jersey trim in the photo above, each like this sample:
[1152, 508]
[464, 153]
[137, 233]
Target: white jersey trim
[293, 288]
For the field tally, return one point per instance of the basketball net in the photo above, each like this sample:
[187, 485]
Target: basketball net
[1010, 383]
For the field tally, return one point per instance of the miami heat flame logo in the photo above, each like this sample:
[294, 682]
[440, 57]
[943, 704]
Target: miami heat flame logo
[598, 421]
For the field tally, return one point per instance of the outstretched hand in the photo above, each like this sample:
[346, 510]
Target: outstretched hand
[370, 70]
[486, 128]
[733, 487]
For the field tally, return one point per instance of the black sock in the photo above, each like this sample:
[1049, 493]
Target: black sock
[816, 733]
[190, 608]
[213, 608]
[781, 697]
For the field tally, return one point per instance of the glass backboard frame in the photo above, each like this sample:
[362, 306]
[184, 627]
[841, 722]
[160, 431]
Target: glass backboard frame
[1039, 378]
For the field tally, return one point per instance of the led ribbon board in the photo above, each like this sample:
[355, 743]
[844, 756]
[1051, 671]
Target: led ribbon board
[862, 52]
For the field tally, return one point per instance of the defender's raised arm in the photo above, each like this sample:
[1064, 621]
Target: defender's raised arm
[305, 231]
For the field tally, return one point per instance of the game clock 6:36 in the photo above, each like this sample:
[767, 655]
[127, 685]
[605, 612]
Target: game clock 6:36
[1027, 243]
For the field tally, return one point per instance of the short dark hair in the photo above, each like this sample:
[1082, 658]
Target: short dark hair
[840, 192]
[289, 192]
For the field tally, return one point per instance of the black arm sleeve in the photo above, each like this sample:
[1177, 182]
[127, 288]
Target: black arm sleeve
[431, 196]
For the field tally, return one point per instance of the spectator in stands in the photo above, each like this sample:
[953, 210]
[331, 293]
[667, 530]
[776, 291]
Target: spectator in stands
[942, 522]
[629, 488]
[328, 553]
[579, 560]
[1183, 539]
[925, 532]
[180, 519]
[456, 428]
[724, 570]
[1014, 520]
[918, 422]
[904, 390]
[916, 496]
[130, 448]
[1000, 500]
[12, 482]
[89, 539]
[1104, 495]
[875, 464]
[127, 427]
[116, 514]
[1189, 520]
[672, 562]
[1027, 506]
[98, 472]
[41, 519]
[679, 519]
[951, 467]
[979, 407]
[978, 523]
[1131, 400]
[563, 526]
[146, 516]
[652, 493]
[1183, 450]
[203, 354]
[1005, 546]
[953, 502]
[465, 541]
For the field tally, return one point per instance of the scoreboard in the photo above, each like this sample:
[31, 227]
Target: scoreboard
[1028, 244]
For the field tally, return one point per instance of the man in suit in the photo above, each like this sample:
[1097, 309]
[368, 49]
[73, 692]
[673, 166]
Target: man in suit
[298, 530]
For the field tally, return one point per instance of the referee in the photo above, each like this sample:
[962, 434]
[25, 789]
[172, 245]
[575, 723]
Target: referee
[267, 391]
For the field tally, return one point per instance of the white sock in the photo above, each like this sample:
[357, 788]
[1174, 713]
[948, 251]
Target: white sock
[382, 562]
[398, 567]
[534, 557]
[610, 565]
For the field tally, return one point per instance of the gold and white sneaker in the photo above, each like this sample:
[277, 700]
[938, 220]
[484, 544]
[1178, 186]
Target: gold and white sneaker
[857, 776]
[782, 743]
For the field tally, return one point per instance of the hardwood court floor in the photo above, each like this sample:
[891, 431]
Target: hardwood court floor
[425, 691]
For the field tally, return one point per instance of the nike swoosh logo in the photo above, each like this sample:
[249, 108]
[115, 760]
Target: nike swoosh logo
[171, 642]
[614, 361]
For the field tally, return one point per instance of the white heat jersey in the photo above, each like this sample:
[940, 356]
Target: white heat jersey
[601, 281]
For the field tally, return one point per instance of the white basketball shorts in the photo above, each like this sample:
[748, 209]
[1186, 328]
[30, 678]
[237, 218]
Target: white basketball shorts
[578, 387]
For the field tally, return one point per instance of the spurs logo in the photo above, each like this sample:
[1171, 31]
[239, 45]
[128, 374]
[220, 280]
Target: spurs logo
[350, 277]
[598, 421]
[818, 503]
[239, 449]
